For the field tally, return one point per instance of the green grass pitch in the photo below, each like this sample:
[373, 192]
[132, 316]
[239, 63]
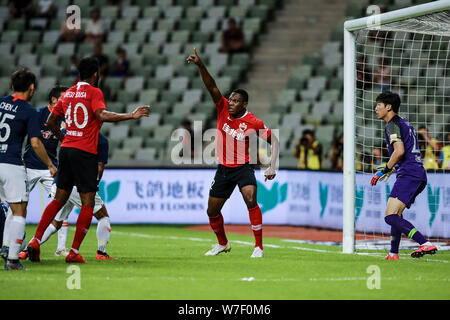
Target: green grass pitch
[167, 263]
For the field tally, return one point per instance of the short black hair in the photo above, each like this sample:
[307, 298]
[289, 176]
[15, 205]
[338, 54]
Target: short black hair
[87, 67]
[243, 94]
[391, 98]
[308, 131]
[22, 79]
[55, 92]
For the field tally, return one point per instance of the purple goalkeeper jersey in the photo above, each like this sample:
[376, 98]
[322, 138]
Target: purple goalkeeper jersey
[399, 129]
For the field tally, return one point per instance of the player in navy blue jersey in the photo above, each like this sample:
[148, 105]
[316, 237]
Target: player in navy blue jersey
[17, 120]
[36, 169]
[405, 159]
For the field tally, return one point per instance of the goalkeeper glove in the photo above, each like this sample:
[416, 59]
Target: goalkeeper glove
[382, 174]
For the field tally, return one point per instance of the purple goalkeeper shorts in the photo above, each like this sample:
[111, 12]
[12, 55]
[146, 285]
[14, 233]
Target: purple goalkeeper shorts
[407, 188]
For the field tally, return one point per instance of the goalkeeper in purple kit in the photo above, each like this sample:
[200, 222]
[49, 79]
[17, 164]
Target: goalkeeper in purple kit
[411, 179]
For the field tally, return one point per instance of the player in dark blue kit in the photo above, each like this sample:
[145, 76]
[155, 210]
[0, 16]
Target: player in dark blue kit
[405, 159]
[36, 169]
[18, 119]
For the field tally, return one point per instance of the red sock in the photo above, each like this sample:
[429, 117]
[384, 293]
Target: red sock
[83, 224]
[256, 221]
[216, 224]
[47, 217]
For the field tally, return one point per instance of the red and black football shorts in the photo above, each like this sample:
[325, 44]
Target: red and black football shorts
[227, 178]
[77, 168]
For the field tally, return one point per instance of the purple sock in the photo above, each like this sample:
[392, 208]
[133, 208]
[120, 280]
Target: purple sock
[405, 227]
[396, 236]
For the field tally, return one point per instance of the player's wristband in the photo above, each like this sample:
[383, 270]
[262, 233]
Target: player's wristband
[386, 170]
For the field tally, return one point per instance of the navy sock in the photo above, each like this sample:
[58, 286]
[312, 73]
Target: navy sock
[396, 236]
[405, 227]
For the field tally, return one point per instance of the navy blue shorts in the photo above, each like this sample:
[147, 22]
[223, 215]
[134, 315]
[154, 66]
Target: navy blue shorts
[407, 188]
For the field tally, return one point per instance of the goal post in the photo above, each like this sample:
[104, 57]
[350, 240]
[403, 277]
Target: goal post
[418, 38]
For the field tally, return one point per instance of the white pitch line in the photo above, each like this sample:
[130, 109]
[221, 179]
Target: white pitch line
[141, 235]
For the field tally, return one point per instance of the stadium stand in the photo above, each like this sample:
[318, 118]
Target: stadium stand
[157, 36]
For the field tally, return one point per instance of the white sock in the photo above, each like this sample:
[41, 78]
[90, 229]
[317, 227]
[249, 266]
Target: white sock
[62, 235]
[103, 233]
[17, 232]
[48, 233]
[6, 230]
[428, 243]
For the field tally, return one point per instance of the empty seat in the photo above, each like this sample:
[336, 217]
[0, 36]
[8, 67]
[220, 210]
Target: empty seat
[119, 132]
[146, 154]
[178, 84]
[150, 122]
[158, 36]
[192, 97]
[131, 12]
[134, 84]
[291, 120]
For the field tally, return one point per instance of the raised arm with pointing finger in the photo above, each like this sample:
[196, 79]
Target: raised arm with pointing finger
[208, 80]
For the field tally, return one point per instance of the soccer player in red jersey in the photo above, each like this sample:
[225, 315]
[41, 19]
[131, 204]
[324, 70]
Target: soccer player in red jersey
[236, 126]
[84, 111]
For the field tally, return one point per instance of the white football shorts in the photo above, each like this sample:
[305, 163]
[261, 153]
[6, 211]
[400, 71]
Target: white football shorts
[75, 200]
[13, 183]
[43, 176]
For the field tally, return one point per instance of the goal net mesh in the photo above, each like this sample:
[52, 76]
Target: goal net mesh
[412, 58]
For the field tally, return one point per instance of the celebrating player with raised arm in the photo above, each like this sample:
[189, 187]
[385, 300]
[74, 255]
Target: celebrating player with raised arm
[235, 126]
[405, 159]
[18, 119]
[83, 108]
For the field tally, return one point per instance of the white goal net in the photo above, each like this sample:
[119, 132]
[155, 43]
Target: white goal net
[411, 57]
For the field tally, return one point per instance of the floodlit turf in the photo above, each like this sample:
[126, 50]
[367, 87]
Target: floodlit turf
[167, 262]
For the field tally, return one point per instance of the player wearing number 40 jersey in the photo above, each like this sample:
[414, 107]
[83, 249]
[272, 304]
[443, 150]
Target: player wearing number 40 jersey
[17, 120]
[83, 108]
[411, 179]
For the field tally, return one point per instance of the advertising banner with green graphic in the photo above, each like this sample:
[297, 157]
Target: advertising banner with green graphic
[303, 198]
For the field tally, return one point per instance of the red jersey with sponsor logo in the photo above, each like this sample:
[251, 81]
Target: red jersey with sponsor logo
[78, 106]
[235, 134]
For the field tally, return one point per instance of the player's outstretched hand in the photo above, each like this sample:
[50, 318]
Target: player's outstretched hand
[269, 173]
[142, 111]
[194, 58]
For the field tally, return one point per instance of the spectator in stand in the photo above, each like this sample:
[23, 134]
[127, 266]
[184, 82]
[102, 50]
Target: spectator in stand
[362, 74]
[102, 60]
[73, 68]
[45, 9]
[233, 39]
[337, 154]
[121, 66]
[377, 158]
[430, 147]
[445, 153]
[94, 28]
[69, 35]
[19, 9]
[308, 151]
[382, 75]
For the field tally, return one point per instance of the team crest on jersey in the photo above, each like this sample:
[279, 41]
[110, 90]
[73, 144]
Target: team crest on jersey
[242, 126]
[46, 134]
